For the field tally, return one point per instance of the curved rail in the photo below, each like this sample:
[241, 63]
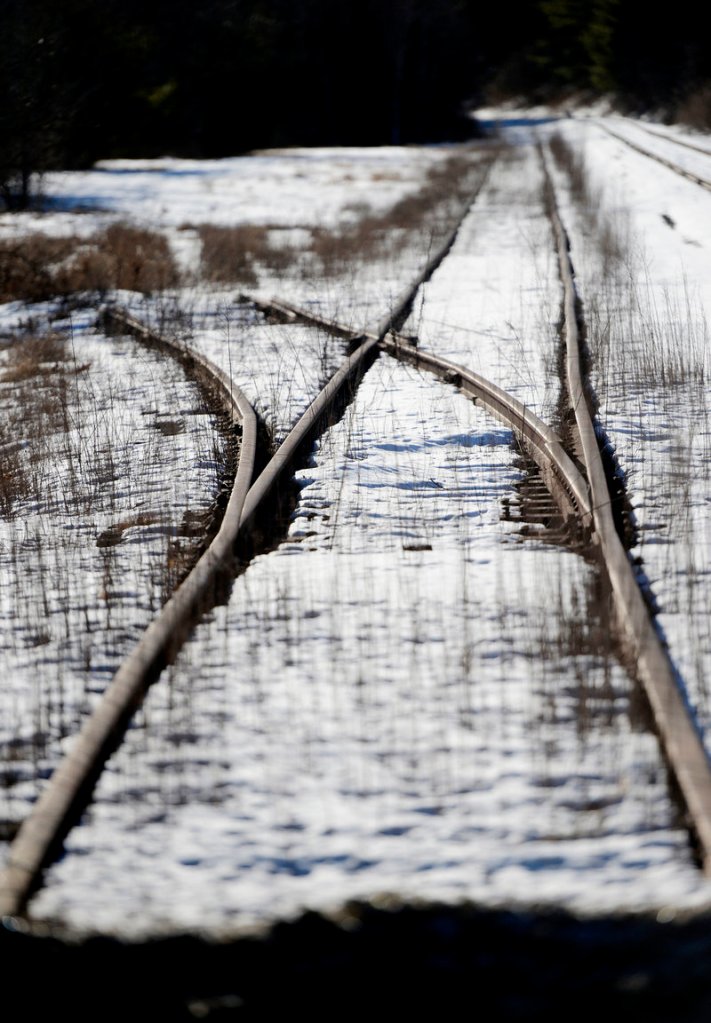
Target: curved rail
[561, 475]
[680, 737]
[71, 784]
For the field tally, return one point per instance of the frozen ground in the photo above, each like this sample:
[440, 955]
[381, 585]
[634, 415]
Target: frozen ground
[114, 465]
[405, 696]
[639, 243]
[381, 708]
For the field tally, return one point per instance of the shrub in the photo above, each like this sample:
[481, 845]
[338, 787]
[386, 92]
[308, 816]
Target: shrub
[231, 254]
[121, 256]
[28, 266]
[37, 267]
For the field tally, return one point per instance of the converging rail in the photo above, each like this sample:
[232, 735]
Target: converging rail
[559, 472]
[679, 735]
[592, 506]
[69, 789]
[355, 364]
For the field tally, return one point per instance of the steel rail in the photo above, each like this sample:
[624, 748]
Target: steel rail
[70, 786]
[558, 471]
[680, 737]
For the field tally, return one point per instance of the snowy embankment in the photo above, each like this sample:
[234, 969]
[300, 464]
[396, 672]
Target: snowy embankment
[407, 696]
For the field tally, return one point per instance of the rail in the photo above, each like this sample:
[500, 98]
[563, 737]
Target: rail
[70, 786]
[68, 791]
[561, 475]
[681, 741]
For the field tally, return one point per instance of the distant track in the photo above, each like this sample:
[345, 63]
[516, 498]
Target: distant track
[643, 126]
[689, 175]
[678, 732]
[70, 788]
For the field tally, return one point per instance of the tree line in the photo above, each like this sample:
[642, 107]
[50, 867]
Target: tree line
[89, 79]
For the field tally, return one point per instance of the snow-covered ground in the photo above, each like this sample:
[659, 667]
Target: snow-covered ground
[110, 465]
[647, 302]
[406, 696]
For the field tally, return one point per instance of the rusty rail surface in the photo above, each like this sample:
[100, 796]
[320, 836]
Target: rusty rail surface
[680, 737]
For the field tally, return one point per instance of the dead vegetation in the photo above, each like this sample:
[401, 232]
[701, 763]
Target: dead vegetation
[37, 267]
[232, 254]
[429, 212]
[235, 255]
[35, 371]
[13, 479]
[695, 108]
[28, 266]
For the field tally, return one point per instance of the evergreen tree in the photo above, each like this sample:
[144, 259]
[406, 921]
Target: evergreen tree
[32, 111]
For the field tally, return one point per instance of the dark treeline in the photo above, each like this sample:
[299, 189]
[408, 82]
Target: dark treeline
[86, 79]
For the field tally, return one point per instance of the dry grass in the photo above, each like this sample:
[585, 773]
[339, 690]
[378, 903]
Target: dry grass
[32, 357]
[572, 164]
[429, 212]
[34, 369]
[28, 266]
[37, 267]
[234, 255]
[14, 483]
[610, 236]
[120, 257]
[231, 254]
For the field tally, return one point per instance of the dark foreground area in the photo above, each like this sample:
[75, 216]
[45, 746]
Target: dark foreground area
[436, 962]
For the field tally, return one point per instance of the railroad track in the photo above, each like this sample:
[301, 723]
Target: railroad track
[671, 138]
[679, 735]
[703, 182]
[562, 477]
[585, 501]
[40, 837]
[585, 505]
[70, 786]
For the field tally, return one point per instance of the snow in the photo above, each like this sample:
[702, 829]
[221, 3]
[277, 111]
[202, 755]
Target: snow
[407, 696]
[651, 326]
[119, 456]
